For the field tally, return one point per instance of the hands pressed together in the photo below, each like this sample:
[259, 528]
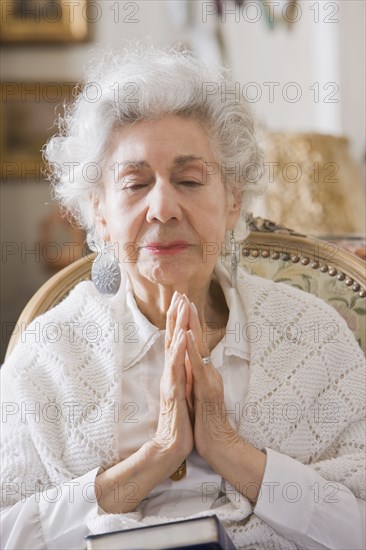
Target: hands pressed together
[192, 415]
[192, 406]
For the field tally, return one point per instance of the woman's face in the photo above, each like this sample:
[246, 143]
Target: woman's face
[164, 210]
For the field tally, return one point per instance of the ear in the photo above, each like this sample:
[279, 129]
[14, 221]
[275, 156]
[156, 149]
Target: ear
[99, 216]
[233, 207]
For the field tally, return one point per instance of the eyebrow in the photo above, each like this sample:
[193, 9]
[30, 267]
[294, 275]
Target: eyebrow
[185, 159]
[133, 165]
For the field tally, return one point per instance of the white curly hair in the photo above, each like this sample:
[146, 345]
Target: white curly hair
[142, 82]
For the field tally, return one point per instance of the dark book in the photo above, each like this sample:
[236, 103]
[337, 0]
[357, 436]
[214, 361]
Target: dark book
[205, 533]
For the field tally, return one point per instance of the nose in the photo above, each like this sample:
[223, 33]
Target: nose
[164, 203]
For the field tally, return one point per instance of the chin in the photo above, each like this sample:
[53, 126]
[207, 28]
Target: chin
[169, 274]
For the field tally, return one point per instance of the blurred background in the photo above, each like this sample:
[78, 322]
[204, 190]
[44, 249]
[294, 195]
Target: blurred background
[300, 64]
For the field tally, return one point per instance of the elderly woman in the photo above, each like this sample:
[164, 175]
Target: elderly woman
[165, 388]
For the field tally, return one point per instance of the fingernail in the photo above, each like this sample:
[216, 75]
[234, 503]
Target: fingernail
[175, 297]
[194, 307]
[192, 335]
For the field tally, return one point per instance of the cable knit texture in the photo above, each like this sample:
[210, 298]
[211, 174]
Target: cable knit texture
[69, 362]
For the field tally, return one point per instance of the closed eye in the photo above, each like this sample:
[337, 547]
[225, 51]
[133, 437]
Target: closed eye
[135, 187]
[139, 186]
[190, 183]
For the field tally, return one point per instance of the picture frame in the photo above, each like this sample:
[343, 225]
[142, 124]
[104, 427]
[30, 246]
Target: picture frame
[40, 21]
[29, 111]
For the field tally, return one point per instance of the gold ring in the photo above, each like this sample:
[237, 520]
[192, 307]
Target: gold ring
[180, 472]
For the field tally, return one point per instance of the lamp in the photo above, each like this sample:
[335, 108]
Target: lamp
[314, 186]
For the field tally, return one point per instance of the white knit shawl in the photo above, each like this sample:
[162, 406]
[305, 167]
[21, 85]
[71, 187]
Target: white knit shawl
[315, 363]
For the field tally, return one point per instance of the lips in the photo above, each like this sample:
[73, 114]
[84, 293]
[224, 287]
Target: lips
[166, 245]
[172, 247]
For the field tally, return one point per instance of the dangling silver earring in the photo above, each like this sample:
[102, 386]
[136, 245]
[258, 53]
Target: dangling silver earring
[106, 273]
[234, 258]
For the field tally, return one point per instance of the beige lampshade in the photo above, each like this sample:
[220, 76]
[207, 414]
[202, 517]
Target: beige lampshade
[314, 187]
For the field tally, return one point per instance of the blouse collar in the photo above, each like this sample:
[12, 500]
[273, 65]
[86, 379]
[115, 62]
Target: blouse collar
[136, 334]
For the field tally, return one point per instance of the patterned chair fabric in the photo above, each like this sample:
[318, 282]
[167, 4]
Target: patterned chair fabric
[321, 268]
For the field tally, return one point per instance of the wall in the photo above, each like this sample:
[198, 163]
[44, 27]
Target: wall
[311, 52]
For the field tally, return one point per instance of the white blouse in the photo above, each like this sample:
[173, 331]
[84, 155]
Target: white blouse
[308, 518]
[200, 489]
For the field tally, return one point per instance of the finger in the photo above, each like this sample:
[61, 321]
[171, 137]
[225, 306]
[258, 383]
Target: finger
[195, 326]
[182, 318]
[189, 378]
[189, 388]
[178, 368]
[174, 371]
[198, 368]
[178, 350]
[207, 382]
[171, 319]
[175, 299]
